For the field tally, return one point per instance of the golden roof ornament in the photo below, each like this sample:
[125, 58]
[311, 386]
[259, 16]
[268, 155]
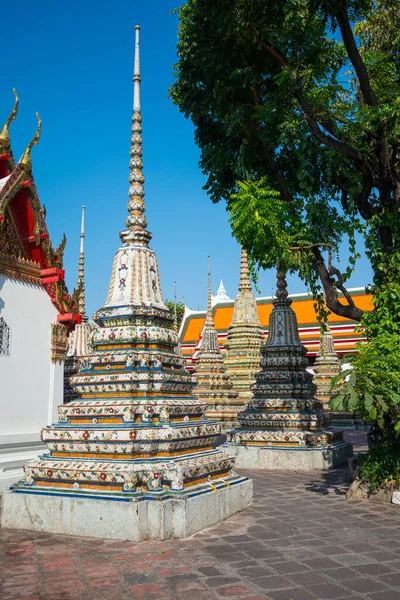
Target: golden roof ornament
[5, 135]
[26, 162]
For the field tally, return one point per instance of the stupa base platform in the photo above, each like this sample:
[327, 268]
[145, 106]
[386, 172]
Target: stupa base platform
[289, 458]
[347, 421]
[125, 518]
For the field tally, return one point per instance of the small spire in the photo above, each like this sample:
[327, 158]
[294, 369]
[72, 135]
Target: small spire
[327, 346]
[175, 312]
[5, 135]
[244, 281]
[281, 299]
[221, 290]
[221, 296]
[209, 298]
[136, 221]
[26, 162]
[81, 270]
[209, 339]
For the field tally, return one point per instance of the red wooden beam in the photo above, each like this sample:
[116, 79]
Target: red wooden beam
[72, 318]
[31, 239]
[52, 275]
[51, 271]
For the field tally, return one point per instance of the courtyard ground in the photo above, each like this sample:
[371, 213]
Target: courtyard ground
[301, 540]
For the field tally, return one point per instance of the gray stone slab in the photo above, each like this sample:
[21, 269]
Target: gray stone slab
[297, 459]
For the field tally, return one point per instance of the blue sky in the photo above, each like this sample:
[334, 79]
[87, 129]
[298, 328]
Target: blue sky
[73, 63]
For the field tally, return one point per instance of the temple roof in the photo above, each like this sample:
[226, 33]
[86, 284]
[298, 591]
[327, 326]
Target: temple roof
[303, 304]
[23, 230]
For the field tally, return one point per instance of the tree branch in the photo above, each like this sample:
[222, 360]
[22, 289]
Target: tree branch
[331, 291]
[355, 57]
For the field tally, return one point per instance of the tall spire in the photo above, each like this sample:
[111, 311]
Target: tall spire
[244, 337]
[81, 270]
[213, 383]
[135, 279]
[209, 297]
[210, 336]
[175, 312]
[136, 221]
[244, 281]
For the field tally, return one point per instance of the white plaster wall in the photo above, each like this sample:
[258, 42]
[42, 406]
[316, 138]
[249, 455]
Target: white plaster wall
[31, 386]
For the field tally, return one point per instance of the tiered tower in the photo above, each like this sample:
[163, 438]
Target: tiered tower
[133, 458]
[79, 339]
[245, 336]
[213, 383]
[284, 426]
[326, 367]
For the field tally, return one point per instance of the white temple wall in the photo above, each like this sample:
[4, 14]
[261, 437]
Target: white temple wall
[31, 386]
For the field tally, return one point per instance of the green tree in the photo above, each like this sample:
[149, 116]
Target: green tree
[296, 109]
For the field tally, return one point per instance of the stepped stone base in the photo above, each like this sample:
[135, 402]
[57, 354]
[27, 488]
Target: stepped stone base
[116, 518]
[305, 459]
[348, 422]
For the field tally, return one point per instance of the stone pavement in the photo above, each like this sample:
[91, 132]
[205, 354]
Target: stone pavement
[300, 541]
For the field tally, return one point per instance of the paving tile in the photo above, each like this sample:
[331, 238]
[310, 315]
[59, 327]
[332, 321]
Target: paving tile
[209, 571]
[394, 565]
[386, 595]
[340, 575]
[322, 563]
[220, 581]
[256, 571]
[274, 582]
[365, 585]
[289, 567]
[350, 560]
[327, 591]
[309, 578]
[382, 556]
[392, 579]
[375, 569]
[233, 591]
[291, 594]
[333, 550]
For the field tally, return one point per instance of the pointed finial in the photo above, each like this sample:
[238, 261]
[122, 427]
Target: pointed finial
[281, 300]
[209, 297]
[81, 270]
[136, 72]
[26, 162]
[209, 340]
[175, 311]
[136, 222]
[5, 135]
[244, 281]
